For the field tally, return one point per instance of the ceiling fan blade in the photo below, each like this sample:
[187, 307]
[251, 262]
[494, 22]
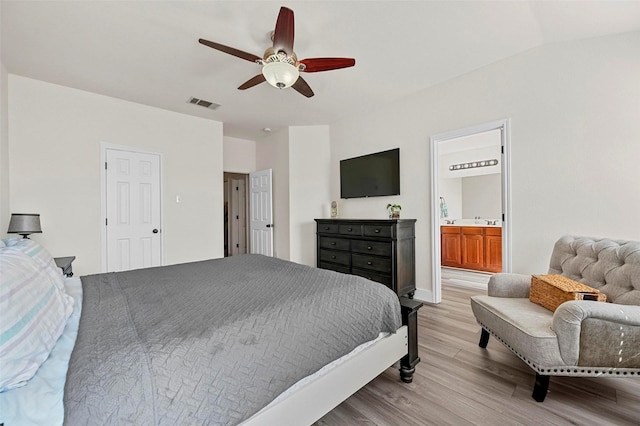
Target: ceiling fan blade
[326, 64]
[284, 32]
[252, 82]
[302, 87]
[231, 51]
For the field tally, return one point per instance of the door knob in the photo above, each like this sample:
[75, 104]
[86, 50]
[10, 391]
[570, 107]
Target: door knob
[155, 231]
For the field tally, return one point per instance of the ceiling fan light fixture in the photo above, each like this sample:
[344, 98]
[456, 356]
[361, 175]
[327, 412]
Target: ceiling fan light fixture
[280, 74]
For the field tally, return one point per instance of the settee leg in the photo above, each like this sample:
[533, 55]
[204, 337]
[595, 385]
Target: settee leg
[484, 339]
[540, 388]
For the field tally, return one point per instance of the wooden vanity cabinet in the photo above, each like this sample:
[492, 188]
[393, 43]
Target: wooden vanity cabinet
[450, 250]
[493, 249]
[471, 247]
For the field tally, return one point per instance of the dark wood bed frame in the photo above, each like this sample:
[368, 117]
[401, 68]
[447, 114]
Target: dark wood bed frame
[410, 319]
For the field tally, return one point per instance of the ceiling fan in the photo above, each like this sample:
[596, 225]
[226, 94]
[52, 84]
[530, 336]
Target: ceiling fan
[280, 65]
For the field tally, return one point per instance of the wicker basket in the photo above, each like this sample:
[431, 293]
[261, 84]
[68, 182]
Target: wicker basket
[550, 291]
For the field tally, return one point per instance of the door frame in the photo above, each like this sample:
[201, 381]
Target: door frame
[104, 146]
[247, 196]
[504, 125]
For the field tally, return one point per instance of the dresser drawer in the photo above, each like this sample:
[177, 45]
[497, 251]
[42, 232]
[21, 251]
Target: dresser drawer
[328, 228]
[378, 249]
[374, 276]
[335, 267]
[374, 263]
[334, 243]
[382, 231]
[350, 229]
[371, 247]
[343, 258]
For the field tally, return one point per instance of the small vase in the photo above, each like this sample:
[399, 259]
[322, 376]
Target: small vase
[394, 215]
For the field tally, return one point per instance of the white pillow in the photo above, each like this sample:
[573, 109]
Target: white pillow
[42, 257]
[34, 314]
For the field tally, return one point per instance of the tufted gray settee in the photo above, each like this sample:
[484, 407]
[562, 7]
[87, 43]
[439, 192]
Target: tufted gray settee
[581, 338]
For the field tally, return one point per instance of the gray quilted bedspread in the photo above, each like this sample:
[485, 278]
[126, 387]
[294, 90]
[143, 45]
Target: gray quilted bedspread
[212, 342]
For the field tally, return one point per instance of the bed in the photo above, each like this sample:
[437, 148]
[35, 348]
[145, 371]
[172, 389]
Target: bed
[244, 340]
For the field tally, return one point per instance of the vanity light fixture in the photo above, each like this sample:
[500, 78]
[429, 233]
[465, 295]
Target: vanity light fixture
[474, 164]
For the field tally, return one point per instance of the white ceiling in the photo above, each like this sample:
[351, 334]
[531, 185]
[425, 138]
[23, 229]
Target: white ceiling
[148, 51]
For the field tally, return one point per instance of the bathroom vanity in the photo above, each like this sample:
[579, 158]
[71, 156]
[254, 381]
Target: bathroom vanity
[476, 247]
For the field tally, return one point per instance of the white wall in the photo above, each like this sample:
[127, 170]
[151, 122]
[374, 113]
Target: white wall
[54, 148]
[451, 191]
[4, 149]
[239, 155]
[299, 158]
[4, 153]
[309, 190]
[574, 144]
[272, 152]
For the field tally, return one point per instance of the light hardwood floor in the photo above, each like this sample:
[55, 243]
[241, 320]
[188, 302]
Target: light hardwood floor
[458, 383]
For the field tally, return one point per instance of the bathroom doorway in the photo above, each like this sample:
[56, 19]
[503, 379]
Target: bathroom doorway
[235, 213]
[470, 204]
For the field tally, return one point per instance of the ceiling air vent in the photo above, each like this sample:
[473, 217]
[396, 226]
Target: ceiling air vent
[203, 103]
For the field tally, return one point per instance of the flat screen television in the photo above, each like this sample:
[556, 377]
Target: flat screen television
[372, 175]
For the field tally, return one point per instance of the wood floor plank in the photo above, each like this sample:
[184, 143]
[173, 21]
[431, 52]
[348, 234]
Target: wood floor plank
[459, 383]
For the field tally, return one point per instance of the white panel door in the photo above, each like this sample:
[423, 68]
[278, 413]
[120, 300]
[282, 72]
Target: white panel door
[260, 206]
[133, 210]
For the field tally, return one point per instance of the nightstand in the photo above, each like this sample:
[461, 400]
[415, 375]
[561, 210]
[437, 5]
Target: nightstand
[64, 263]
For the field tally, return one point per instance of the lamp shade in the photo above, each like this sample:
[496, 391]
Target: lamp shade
[24, 224]
[280, 74]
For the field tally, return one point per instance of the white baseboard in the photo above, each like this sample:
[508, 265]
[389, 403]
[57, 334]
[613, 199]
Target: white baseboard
[424, 295]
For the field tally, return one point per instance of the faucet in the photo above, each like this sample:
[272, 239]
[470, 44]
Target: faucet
[492, 222]
[451, 222]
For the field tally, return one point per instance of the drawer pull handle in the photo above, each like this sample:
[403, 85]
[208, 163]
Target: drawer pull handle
[333, 243]
[327, 228]
[369, 263]
[333, 256]
[369, 248]
[349, 229]
[377, 231]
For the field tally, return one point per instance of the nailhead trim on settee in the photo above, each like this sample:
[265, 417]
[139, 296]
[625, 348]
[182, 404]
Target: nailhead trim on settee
[568, 370]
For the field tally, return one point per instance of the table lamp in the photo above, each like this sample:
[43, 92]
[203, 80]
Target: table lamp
[24, 224]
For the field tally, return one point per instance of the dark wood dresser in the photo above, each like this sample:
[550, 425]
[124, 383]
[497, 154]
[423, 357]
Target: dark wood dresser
[380, 250]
